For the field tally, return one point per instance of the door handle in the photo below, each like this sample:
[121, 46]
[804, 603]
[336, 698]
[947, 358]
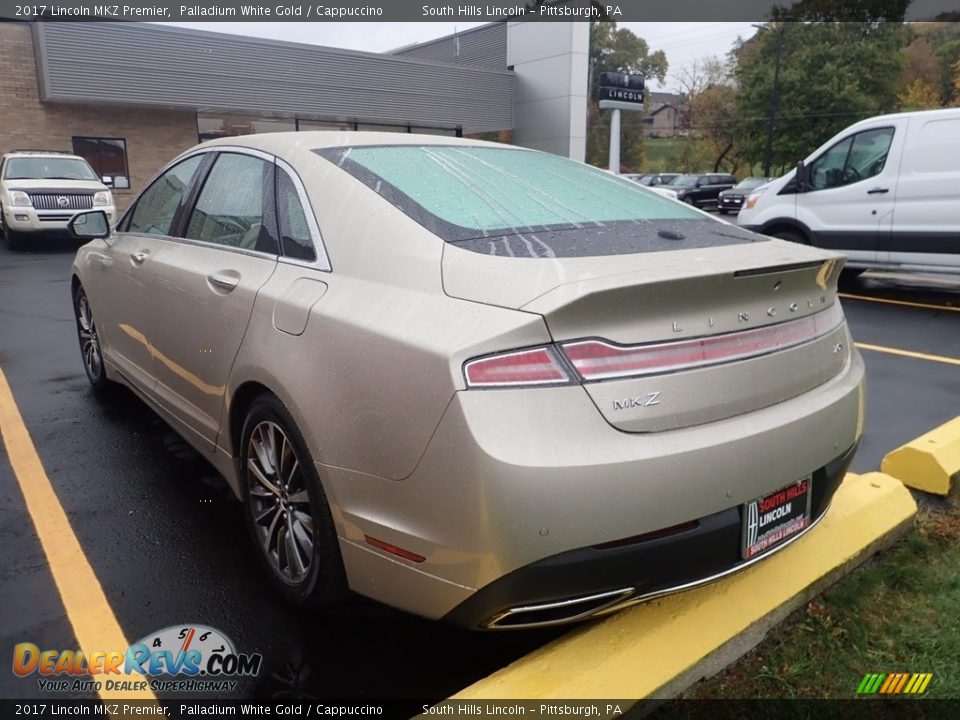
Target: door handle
[878, 191]
[223, 281]
[138, 257]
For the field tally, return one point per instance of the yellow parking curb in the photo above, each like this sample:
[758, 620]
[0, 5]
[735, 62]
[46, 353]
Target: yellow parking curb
[658, 649]
[930, 462]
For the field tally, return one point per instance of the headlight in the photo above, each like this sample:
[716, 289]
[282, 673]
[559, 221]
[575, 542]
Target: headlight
[752, 199]
[20, 198]
[102, 199]
[681, 194]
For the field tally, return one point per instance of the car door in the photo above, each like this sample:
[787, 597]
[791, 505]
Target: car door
[205, 285]
[121, 274]
[849, 203]
[926, 217]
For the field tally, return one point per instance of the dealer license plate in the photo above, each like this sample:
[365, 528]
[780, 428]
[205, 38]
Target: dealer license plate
[772, 519]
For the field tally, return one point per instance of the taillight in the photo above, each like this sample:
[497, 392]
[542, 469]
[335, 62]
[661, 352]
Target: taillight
[599, 360]
[537, 366]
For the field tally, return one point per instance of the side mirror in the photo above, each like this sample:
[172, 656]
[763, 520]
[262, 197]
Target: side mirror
[107, 180]
[89, 225]
[802, 177]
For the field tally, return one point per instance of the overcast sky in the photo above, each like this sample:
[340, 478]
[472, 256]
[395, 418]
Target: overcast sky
[684, 43]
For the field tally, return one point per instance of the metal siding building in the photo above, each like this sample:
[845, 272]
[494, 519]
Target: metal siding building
[485, 47]
[180, 68]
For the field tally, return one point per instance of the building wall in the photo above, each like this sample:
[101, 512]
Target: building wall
[550, 60]
[662, 123]
[153, 136]
[162, 66]
[485, 47]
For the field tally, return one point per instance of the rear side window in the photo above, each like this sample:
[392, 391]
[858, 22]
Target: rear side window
[522, 203]
[234, 207]
[295, 236]
[157, 206]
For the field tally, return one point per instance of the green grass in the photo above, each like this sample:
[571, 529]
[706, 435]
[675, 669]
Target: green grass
[900, 613]
[662, 154]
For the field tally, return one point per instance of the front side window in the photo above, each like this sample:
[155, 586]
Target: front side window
[107, 157]
[234, 207]
[157, 207]
[851, 160]
[47, 167]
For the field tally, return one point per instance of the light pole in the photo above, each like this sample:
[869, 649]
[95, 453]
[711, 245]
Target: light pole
[774, 96]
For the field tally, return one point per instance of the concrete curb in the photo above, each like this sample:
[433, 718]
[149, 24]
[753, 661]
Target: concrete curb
[928, 463]
[658, 649]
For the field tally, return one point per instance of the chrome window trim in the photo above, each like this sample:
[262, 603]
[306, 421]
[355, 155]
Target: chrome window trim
[323, 260]
[217, 246]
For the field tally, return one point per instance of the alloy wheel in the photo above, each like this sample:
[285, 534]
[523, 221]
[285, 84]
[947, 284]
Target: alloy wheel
[89, 341]
[280, 503]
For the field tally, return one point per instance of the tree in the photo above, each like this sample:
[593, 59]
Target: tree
[714, 114]
[614, 49]
[919, 95]
[832, 74]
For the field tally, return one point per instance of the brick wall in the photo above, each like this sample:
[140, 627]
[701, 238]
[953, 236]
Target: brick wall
[153, 136]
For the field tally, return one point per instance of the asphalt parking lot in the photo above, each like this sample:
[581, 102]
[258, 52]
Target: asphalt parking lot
[167, 542]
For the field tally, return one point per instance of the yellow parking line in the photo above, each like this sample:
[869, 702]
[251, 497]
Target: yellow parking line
[94, 624]
[909, 353]
[926, 306]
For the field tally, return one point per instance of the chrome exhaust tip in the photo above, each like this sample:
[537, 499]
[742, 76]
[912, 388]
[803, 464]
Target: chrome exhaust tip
[560, 612]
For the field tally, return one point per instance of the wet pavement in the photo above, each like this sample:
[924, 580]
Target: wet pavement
[166, 538]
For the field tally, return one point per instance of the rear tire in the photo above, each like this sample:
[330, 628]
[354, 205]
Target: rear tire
[286, 509]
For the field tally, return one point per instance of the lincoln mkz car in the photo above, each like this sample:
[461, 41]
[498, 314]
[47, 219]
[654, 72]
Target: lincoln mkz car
[476, 382]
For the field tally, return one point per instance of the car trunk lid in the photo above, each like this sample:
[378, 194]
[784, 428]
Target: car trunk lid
[706, 333]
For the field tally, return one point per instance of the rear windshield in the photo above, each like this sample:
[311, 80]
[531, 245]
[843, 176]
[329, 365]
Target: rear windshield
[480, 191]
[522, 203]
[48, 168]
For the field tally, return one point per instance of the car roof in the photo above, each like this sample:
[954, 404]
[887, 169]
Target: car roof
[319, 139]
[40, 153]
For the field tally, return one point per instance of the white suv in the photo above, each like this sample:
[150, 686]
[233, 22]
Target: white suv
[40, 191]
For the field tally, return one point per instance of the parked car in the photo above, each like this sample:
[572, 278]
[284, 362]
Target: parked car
[41, 190]
[657, 179]
[476, 382]
[885, 192]
[700, 190]
[732, 199]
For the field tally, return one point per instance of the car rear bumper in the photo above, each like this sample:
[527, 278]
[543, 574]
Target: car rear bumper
[592, 581]
[517, 481]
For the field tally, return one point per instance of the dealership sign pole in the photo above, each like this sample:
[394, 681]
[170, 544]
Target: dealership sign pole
[619, 91]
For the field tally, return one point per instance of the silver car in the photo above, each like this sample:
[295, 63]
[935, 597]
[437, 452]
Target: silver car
[473, 381]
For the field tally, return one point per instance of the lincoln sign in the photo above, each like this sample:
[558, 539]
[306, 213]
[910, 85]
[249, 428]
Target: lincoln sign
[621, 88]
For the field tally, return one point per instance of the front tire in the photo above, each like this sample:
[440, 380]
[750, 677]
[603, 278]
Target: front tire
[15, 240]
[791, 236]
[286, 509]
[89, 338]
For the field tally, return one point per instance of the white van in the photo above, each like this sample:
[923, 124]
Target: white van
[885, 192]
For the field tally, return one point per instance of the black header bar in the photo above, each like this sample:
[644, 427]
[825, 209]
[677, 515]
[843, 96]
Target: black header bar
[528, 10]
